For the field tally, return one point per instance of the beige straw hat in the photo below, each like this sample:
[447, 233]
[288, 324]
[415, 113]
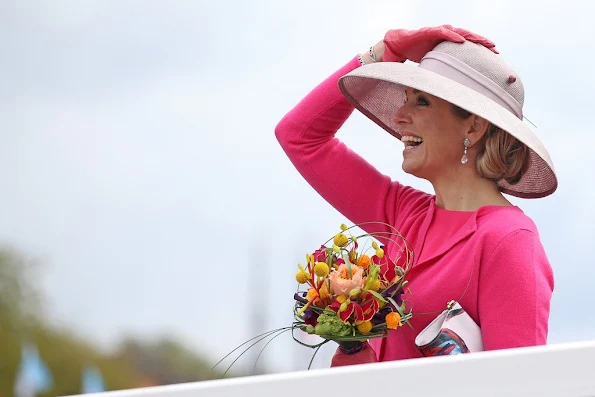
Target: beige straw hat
[467, 75]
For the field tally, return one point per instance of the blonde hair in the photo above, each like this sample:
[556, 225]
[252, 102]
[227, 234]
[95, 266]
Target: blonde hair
[501, 156]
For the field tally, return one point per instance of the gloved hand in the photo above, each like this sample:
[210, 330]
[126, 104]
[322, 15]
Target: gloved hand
[402, 44]
[364, 356]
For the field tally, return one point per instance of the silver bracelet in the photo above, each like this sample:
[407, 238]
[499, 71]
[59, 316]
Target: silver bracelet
[372, 54]
[361, 60]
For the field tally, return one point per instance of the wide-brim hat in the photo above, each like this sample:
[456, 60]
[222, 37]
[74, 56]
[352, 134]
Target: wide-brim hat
[469, 76]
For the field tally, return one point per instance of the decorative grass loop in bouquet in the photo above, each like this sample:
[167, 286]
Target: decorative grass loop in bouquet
[352, 288]
[349, 291]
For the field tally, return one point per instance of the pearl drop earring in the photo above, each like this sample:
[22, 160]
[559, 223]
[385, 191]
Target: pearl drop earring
[464, 159]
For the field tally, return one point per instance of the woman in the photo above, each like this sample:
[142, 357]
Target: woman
[459, 115]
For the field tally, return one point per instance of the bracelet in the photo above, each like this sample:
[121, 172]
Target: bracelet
[361, 60]
[372, 54]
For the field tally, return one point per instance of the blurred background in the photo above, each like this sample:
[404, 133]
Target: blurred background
[149, 220]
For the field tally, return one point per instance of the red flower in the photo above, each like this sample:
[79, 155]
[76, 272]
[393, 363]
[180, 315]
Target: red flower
[320, 254]
[369, 308]
[352, 308]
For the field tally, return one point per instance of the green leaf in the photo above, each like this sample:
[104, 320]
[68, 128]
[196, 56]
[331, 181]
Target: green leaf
[329, 261]
[372, 276]
[377, 295]
[403, 307]
[400, 310]
[391, 300]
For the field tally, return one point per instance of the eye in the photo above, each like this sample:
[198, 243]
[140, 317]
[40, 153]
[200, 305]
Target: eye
[422, 100]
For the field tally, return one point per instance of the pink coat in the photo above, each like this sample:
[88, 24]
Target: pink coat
[494, 253]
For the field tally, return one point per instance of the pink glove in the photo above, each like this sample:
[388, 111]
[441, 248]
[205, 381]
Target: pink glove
[404, 44]
[365, 356]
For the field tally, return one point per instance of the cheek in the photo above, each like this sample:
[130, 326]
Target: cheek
[444, 144]
[442, 135]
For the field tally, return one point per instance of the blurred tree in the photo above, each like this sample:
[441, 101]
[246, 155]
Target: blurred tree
[135, 363]
[20, 301]
[166, 361]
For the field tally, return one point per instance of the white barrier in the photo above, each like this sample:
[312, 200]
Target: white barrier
[565, 370]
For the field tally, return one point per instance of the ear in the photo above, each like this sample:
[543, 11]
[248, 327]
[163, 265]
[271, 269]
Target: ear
[477, 129]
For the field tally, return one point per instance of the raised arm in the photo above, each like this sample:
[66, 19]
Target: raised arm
[307, 135]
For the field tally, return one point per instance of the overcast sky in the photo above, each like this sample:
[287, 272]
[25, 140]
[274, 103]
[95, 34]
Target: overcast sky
[140, 166]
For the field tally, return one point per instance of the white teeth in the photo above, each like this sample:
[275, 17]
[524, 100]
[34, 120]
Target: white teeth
[408, 138]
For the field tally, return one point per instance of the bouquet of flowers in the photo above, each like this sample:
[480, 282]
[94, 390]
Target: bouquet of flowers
[347, 298]
[349, 291]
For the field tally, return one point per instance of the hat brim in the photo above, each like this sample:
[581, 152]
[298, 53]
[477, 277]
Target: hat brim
[378, 90]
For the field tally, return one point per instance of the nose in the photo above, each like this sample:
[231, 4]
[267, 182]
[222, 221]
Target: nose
[402, 115]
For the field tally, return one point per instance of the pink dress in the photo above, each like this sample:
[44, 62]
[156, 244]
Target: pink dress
[492, 257]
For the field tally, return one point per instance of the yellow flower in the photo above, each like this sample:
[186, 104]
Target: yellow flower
[321, 269]
[343, 226]
[365, 327]
[340, 240]
[302, 276]
[375, 285]
[363, 261]
[393, 320]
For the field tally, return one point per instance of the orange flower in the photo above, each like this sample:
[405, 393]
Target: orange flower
[393, 320]
[323, 291]
[312, 296]
[364, 261]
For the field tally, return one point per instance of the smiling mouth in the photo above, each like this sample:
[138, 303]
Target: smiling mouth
[411, 142]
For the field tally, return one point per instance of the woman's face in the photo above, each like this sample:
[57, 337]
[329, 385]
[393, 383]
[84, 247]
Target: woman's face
[432, 134]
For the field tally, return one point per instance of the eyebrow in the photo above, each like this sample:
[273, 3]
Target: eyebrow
[415, 92]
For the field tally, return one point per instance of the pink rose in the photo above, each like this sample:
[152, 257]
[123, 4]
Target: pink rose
[341, 284]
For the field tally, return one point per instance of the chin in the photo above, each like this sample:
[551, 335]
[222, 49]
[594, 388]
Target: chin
[410, 168]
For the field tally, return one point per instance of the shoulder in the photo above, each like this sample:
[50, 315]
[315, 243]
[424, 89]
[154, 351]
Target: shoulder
[496, 223]
[508, 231]
[512, 253]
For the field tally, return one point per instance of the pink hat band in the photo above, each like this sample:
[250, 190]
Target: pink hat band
[456, 70]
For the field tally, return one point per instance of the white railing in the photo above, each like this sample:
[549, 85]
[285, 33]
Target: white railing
[564, 370]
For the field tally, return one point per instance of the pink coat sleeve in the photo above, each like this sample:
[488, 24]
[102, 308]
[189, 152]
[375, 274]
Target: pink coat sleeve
[515, 288]
[344, 179]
